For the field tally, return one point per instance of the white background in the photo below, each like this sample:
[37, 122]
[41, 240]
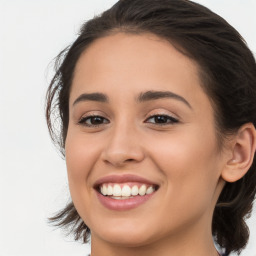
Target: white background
[33, 182]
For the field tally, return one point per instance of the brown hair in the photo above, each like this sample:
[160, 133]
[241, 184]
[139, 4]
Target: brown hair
[228, 74]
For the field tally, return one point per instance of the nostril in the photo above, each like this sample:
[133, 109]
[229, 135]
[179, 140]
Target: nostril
[119, 155]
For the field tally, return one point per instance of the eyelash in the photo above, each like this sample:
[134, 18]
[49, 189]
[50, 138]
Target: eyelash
[167, 120]
[170, 120]
[83, 120]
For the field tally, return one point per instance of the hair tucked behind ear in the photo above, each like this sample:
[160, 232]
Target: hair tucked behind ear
[228, 76]
[233, 207]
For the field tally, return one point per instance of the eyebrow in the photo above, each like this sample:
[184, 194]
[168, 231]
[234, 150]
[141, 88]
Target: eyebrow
[155, 95]
[96, 96]
[144, 96]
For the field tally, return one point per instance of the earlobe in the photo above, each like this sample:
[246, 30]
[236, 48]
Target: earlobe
[243, 150]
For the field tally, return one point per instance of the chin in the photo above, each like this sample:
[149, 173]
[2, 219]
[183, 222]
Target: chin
[126, 235]
[127, 240]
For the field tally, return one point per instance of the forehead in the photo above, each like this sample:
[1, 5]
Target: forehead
[132, 63]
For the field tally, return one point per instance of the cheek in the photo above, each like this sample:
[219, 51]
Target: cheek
[189, 162]
[189, 165]
[81, 155]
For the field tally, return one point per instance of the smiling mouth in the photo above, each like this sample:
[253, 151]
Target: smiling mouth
[122, 191]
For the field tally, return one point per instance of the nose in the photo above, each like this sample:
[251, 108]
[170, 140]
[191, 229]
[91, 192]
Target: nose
[123, 146]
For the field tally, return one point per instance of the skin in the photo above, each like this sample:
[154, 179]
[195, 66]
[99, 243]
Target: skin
[182, 157]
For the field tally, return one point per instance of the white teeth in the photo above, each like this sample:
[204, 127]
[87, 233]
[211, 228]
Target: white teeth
[126, 190]
[109, 190]
[142, 190]
[117, 191]
[150, 190]
[104, 190]
[120, 197]
[135, 190]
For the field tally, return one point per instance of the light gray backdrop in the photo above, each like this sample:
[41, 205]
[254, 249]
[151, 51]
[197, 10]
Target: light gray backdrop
[33, 182]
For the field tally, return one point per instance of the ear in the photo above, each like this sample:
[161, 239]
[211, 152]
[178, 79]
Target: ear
[243, 150]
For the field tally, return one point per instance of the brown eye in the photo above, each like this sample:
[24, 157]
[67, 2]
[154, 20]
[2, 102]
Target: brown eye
[93, 121]
[162, 120]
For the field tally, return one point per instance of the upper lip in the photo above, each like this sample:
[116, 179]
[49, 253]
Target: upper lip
[122, 179]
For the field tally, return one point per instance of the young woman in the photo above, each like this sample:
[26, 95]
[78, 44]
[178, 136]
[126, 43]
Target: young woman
[157, 109]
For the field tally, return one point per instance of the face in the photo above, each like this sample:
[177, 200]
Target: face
[141, 150]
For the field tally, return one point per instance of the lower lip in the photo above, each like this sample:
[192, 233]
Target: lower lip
[125, 204]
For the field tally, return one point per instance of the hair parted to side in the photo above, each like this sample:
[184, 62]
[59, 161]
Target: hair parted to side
[228, 75]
